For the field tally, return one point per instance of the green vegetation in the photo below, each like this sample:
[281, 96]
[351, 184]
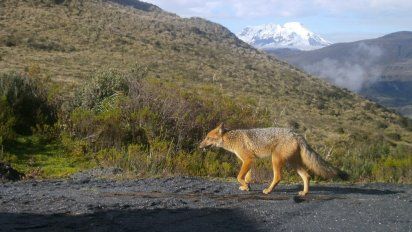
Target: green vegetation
[29, 138]
[38, 159]
[138, 88]
[149, 127]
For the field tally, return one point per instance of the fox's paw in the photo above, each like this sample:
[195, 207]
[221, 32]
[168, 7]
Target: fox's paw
[244, 188]
[302, 193]
[266, 191]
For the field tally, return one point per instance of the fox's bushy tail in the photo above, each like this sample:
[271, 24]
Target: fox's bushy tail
[317, 164]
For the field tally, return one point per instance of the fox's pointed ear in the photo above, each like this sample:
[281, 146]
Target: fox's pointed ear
[221, 128]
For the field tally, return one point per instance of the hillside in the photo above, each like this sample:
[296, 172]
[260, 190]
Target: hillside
[380, 69]
[63, 44]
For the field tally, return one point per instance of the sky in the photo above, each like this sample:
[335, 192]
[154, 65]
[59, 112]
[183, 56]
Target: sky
[334, 20]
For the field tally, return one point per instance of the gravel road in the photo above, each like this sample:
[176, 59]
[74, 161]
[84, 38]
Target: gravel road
[195, 204]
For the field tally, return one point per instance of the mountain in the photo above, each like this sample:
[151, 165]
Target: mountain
[291, 35]
[380, 69]
[199, 65]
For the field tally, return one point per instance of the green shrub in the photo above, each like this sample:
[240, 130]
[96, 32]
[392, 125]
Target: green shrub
[101, 86]
[394, 136]
[109, 157]
[109, 127]
[9, 40]
[6, 157]
[396, 167]
[183, 115]
[7, 121]
[27, 98]
[137, 159]
[48, 45]
[75, 147]
[115, 110]
[340, 130]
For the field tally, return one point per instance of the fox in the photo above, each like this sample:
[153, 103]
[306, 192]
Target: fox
[284, 145]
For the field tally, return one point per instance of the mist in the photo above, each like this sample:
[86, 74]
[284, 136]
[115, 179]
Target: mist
[353, 72]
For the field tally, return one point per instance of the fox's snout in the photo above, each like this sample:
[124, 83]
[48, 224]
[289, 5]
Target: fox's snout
[203, 145]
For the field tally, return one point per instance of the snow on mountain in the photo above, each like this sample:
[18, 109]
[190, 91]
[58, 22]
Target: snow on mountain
[290, 35]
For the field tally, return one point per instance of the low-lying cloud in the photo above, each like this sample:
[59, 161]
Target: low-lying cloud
[352, 72]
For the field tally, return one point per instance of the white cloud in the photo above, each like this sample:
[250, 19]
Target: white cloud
[232, 8]
[281, 8]
[188, 8]
[374, 7]
[263, 8]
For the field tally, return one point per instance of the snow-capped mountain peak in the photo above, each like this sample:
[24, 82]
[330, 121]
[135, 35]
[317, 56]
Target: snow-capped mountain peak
[291, 35]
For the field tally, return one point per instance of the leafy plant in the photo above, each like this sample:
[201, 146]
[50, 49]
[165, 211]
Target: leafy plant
[28, 100]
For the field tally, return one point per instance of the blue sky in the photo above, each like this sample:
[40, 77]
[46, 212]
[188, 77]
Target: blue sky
[336, 21]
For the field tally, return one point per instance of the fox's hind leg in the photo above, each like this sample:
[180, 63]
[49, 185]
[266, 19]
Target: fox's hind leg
[248, 177]
[305, 177]
[277, 164]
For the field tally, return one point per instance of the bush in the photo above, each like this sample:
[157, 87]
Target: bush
[395, 168]
[7, 122]
[108, 110]
[48, 45]
[28, 100]
[101, 86]
[184, 116]
[394, 136]
[153, 127]
[9, 41]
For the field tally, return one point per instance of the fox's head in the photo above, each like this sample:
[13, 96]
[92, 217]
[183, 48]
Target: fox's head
[214, 137]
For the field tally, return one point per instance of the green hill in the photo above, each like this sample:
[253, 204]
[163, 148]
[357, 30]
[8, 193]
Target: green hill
[201, 67]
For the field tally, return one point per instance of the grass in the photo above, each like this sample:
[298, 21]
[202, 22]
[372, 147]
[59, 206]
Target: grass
[44, 160]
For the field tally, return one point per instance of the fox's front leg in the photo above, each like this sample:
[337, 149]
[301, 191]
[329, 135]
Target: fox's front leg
[241, 177]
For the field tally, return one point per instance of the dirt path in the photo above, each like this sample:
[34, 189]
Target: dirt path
[194, 204]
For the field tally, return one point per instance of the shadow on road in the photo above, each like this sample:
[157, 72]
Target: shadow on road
[198, 220]
[347, 190]
[344, 190]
